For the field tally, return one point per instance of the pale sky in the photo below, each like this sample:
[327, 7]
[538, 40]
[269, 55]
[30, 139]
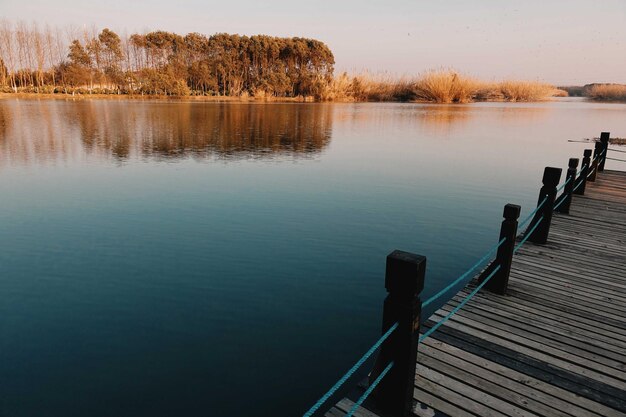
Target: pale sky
[561, 42]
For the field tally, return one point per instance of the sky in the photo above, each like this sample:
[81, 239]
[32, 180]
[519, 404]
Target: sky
[562, 42]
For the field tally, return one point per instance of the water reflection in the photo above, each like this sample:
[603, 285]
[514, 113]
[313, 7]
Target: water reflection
[440, 120]
[39, 131]
[44, 131]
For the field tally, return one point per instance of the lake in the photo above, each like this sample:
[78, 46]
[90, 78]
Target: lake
[162, 258]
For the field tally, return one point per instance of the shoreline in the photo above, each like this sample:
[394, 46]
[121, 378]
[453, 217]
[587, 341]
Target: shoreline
[259, 100]
[232, 99]
[138, 97]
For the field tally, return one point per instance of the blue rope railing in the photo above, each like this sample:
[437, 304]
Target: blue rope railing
[562, 200]
[465, 274]
[597, 157]
[459, 306]
[563, 185]
[591, 172]
[578, 185]
[369, 390]
[527, 235]
[350, 372]
[562, 197]
[530, 216]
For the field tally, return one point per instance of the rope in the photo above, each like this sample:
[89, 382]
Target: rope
[369, 390]
[530, 216]
[350, 372]
[559, 203]
[459, 306]
[616, 150]
[589, 175]
[527, 235]
[562, 197]
[615, 159]
[579, 184]
[459, 279]
[581, 169]
[564, 184]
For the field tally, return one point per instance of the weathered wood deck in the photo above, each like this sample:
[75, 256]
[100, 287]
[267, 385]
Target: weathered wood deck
[556, 344]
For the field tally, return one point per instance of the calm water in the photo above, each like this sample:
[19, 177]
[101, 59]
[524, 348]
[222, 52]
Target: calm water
[204, 259]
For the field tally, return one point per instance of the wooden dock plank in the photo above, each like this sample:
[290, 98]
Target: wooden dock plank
[571, 345]
[567, 335]
[527, 385]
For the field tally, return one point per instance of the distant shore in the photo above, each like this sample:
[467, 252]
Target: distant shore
[140, 97]
[438, 86]
[251, 99]
[231, 67]
[223, 99]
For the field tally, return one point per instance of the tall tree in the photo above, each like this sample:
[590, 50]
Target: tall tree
[111, 48]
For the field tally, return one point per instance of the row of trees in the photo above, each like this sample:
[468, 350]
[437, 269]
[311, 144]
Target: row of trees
[36, 59]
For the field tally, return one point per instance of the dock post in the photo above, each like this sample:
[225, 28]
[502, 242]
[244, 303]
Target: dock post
[604, 140]
[508, 231]
[404, 281]
[597, 150]
[583, 173]
[566, 198]
[551, 177]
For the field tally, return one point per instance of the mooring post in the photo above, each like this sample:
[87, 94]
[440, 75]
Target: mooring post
[597, 150]
[584, 171]
[604, 140]
[508, 231]
[404, 281]
[551, 177]
[565, 200]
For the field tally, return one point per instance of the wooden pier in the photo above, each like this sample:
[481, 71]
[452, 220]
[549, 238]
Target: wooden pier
[555, 344]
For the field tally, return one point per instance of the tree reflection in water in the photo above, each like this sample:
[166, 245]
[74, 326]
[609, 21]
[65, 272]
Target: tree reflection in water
[62, 130]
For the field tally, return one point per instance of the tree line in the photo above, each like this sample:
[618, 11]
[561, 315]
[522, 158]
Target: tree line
[53, 60]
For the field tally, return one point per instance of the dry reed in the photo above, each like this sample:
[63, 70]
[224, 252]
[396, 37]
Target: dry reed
[435, 86]
[607, 92]
[366, 87]
[445, 86]
[525, 90]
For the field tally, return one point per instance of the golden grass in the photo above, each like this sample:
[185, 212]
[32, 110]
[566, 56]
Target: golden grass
[445, 86]
[525, 90]
[435, 86]
[366, 87]
[559, 92]
[607, 92]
